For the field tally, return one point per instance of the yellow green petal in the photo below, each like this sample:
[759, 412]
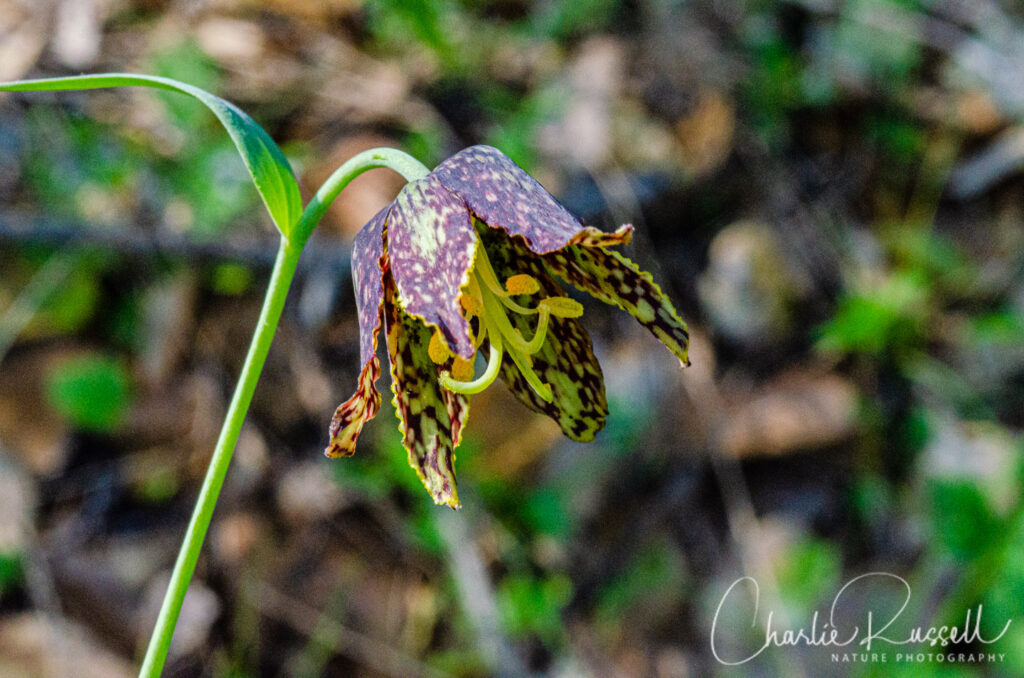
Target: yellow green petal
[614, 279]
[431, 419]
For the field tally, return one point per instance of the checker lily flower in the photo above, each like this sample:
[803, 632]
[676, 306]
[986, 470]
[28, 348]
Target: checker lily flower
[461, 263]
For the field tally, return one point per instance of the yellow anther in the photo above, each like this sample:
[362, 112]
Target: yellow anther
[471, 304]
[438, 349]
[462, 369]
[563, 307]
[522, 283]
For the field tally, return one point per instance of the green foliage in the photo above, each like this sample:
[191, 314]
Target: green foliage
[187, 63]
[962, 518]
[655, 578]
[531, 605]
[74, 305]
[12, 571]
[431, 23]
[459, 662]
[888, 318]
[78, 167]
[518, 120]
[546, 513]
[892, 316]
[231, 279]
[811, 567]
[899, 138]
[1004, 328]
[773, 88]
[563, 20]
[1004, 599]
[882, 55]
[158, 484]
[93, 391]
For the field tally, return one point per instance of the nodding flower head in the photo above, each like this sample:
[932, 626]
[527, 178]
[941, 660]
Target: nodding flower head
[461, 262]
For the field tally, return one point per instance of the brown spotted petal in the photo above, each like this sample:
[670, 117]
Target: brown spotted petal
[566, 360]
[614, 279]
[425, 411]
[367, 273]
[502, 195]
[431, 242]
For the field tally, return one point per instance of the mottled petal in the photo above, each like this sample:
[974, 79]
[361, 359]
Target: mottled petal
[566, 360]
[367, 274]
[347, 422]
[502, 195]
[614, 279]
[458, 411]
[431, 242]
[425, 411]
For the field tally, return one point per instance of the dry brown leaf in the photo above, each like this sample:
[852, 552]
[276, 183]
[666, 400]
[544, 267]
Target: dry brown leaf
[797, 412]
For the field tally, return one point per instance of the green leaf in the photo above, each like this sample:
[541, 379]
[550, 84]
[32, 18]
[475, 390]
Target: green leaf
[963, 520]
[268, 166]
[92, 391]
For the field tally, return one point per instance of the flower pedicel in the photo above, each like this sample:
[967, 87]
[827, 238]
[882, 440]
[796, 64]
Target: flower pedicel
[461, 262]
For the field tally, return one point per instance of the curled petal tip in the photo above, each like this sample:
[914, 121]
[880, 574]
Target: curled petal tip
[592, 237]
[339, 451]
[451, 502]
[350, 416]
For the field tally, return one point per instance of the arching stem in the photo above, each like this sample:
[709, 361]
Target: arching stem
[280, 280]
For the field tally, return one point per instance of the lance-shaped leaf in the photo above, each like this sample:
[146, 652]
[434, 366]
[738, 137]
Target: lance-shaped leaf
[267, 165]
[614, 279]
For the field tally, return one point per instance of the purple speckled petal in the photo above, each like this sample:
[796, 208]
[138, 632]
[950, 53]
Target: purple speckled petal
[431, 242]
[367, 278]
[430, 417]
[502, 195]
[367, 273]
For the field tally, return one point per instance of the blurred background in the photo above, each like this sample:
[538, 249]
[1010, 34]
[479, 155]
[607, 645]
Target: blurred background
[830, 190]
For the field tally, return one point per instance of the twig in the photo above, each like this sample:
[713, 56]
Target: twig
[254, 251]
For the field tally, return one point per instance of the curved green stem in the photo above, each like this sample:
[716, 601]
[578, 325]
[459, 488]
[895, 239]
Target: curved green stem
[273, 304]
[401, 162]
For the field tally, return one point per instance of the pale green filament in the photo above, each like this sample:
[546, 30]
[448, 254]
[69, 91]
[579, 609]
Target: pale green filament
[504, 338]
[518, 348]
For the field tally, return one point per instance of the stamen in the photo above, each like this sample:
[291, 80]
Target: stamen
[521, 283]
[479, 340]
[471, 304]
[496, 315]
[539, 334]
[519, 349]
[485, 379]
[438, 349]
[490, 280]
[488, 299]
[462, 369]
[523, 363]
[562, 307]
